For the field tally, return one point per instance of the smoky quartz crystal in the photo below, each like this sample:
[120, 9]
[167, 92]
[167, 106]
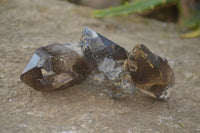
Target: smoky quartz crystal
[103, 62]
[151, 73]
[108, 59]
[54, 66]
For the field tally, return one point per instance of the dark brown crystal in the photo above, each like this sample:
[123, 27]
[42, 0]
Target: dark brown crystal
[100, 46]
[59, 66]
[107, 58]
[150, 72]
[54, 66]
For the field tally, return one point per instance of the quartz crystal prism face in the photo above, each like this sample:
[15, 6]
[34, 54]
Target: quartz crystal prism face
[107, 59]
[55, 66]
[151, 73]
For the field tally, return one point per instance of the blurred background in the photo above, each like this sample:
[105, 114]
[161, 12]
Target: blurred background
[184, 12]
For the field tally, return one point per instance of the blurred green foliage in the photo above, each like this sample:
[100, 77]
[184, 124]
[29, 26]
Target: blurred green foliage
[139, 6]
[193, 23]
[134, 7]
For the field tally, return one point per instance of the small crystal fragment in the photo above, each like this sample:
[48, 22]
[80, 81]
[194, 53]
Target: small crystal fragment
[113, 75]
[107, 65]
[55, 66]
[151, 73]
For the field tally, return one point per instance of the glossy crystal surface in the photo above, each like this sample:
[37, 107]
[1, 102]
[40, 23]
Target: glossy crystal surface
[54, 66]
[107, 58]
[151, 73]
[101, 47]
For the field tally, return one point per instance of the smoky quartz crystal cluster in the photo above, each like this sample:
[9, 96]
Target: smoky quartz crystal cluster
[101, 60]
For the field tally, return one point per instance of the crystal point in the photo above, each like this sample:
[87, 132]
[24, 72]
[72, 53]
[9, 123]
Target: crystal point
[100, 46]
[54, 66]
[107, 58]
[151, 73]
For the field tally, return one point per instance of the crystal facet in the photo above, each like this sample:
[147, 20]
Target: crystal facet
[101, 47]
[151, 73]
[54, 66]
